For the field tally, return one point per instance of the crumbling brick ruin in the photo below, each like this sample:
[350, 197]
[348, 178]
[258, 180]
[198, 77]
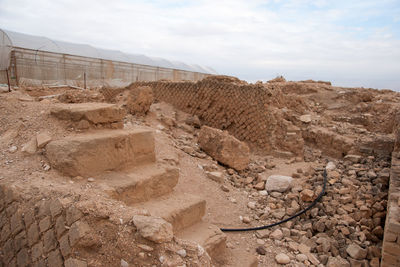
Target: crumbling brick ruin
[249, 112]
[137, 181]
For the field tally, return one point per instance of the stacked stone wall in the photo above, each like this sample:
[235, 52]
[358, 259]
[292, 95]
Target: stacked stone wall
[391, 240]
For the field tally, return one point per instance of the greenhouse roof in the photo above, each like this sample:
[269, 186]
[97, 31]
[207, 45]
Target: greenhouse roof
[45, 44]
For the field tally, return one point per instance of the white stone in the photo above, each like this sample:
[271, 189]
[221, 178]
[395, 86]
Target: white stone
[263, 193]
[13, 149]
[124, 263]
[282, 258]
[246, 219]
[305, 118]
[330, 166]
[181, 253]
[279, 183]
[200, 250]
[251, 205]
[46, 167]
[145, 247]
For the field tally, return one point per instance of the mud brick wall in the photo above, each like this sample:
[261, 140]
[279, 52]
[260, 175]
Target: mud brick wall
[391, 240]
[41, 233]
[251, 113]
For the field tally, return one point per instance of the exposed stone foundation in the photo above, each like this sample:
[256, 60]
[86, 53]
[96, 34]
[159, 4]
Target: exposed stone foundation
[391, 241]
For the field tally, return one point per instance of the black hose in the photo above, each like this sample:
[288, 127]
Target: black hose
[285, 220]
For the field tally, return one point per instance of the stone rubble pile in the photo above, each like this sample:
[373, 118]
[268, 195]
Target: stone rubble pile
[345, 229]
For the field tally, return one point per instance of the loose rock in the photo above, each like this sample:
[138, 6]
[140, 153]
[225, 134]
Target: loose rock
[307, 195]
[30, 147]
[42, 139]
[261, 250]
[216, 176]
[356, 252]
[153, 228]
[277, 234]
[279, 183]
[337, 262]
[282, 258]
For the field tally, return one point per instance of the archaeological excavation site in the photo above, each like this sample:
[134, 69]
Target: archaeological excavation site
[148, 174]
[126, 161]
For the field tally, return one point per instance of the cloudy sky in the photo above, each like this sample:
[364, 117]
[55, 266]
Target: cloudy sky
[348, 42]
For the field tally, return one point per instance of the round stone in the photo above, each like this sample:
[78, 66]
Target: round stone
[282, 258]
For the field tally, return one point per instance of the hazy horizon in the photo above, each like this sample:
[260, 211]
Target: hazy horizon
[351, 44]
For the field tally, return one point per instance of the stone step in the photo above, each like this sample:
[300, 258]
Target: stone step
[139, 184]
[180, 209]
[208, 236]
[108, 150]
[90, 113]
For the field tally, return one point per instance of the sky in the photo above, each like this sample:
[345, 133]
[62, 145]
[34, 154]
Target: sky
[353, 43]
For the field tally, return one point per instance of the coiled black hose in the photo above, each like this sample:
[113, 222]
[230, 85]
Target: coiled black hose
[285, 220]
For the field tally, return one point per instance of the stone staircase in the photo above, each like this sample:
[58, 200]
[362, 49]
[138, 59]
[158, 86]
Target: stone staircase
[124, 165]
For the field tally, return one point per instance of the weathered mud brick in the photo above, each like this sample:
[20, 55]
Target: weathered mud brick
[49, 241]
[77, 231]
[8, 250]
[12, 208]
[44, 224]
[60, 225]
[9, 195]
[2, 203]
[72, 215]
[39, 263]
[5, 232]
[56, 208]
[37, 251]
[55, 259]
[390, 260]
[64, 246]
[29, 217]
[43, 209]
[23, 258]
[20, 241]
[33, 234]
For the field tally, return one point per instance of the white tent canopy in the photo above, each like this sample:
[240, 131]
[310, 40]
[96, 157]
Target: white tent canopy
[9, 39]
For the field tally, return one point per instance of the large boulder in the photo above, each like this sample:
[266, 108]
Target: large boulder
[279, 183]
[224, 148]
[154, 229]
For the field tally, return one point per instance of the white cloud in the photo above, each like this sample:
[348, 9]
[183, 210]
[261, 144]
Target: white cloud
[299, 39]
